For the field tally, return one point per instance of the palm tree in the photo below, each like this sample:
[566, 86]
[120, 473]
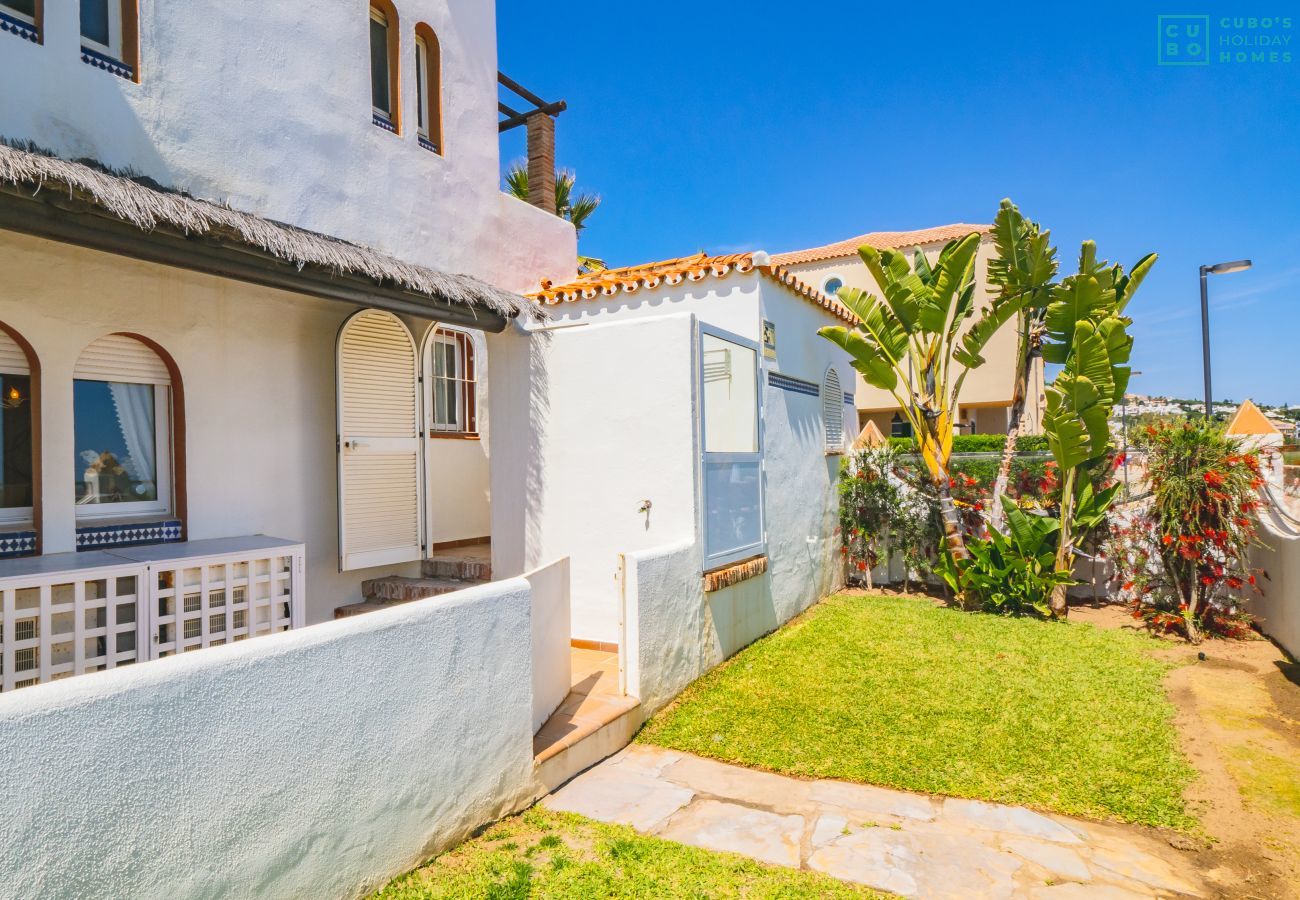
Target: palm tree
[911, 344]
[576, 209]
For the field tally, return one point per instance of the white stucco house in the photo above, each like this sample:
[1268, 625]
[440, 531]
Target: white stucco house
[987, 394]
[276, 350]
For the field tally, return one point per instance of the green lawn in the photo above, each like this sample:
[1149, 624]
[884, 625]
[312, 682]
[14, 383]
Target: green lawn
[542, 854]
[898, 692]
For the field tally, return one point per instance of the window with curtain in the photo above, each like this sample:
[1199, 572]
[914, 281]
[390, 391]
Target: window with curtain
[101, 26]
[733, 468]
[381, 81]
[453, 384]
[121, 411]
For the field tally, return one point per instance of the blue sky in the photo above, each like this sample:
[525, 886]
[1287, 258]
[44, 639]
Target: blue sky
[735, 126]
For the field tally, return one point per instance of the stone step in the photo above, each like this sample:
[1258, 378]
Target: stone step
[360, 609]
[400, 589]
[462, 566]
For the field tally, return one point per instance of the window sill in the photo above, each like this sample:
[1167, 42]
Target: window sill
[734, 574]
[384, 122]
[97, 60]
[429, 145]
[18, 28]
[454, 436]
[17, 540]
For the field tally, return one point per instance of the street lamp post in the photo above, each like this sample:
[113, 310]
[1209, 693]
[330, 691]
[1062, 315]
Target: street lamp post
[1239, 265]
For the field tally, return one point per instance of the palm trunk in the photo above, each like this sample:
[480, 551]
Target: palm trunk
[1058, 604]
[1018, 396]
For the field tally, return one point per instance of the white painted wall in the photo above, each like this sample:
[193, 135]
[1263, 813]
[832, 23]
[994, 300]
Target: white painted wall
[552, 674]
[313, 763]
[258, 372]
[608, 393]
[601, 419]
[1279, 608]
[267, 106]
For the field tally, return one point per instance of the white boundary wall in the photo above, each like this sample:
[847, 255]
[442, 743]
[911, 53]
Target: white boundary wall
[1279, 609]
[550, 631]
[313, 763]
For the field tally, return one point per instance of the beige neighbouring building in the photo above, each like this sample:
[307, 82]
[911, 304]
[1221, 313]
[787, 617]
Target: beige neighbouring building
[985, 402]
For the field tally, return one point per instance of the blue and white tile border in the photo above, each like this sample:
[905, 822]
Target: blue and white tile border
[129, 535]
[794, 385]
[383, 123]
[18, 27]
[428, 144]
[107, 63]
[17, 543]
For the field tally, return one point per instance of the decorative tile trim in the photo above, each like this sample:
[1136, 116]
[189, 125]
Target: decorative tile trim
[741, 571]
[794, 385]
[129, 535]
[383, 123]
[849, 398]
[21, 29]
[17, 543]
[107, 63]
[428, 144]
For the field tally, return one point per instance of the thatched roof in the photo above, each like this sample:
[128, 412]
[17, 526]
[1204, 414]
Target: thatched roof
[148, 207]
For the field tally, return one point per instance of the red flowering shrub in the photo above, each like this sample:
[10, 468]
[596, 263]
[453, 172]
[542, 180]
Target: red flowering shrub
[1182, 560]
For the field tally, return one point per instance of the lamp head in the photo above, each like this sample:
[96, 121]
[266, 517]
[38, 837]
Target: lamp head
[1225, 268]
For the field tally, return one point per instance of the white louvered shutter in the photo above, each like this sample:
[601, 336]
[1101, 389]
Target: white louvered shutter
[833, 411]
[380, 489]
[13, 361]
[116, 357]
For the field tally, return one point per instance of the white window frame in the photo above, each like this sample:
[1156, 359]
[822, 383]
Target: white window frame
[17, 14]
[390, 115]
[466, 386]
[721, 559]
[834, 276]
[113, 49]
[22, 515]
[423, 108]
[162, 424]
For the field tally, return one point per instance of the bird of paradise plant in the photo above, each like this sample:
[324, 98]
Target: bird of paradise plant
[910, 342]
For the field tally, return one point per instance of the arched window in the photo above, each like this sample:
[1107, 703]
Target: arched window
[122, 416]
[17, 435]
[110, 36]
[900, 427]
[453, 401]
[385, 83]
[833, 411]
[428, 88]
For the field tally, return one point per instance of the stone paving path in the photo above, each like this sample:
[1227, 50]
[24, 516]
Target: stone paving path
[908, 844]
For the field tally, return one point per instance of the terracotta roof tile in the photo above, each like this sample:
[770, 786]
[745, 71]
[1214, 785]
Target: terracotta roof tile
[881, 240]
[630, 279]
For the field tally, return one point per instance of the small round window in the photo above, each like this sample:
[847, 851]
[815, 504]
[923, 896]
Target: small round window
[832, 286]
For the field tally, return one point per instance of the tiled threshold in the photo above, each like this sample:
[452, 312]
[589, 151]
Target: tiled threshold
[593, 722]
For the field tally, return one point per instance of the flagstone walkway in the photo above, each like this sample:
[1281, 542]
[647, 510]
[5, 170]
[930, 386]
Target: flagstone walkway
[908, 844]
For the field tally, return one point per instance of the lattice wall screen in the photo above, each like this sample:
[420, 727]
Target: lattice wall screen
[54, 625]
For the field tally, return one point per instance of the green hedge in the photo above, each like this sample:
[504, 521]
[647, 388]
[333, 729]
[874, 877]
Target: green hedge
[980, 443]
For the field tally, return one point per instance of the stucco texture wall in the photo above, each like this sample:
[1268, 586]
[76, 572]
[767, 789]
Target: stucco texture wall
[601, 419]
[258, 369]
[269, 109]
[313, 763]
[1279, 608]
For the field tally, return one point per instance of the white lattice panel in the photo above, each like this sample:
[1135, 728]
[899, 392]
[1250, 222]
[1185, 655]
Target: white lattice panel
[77, 613]
[69, 623]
